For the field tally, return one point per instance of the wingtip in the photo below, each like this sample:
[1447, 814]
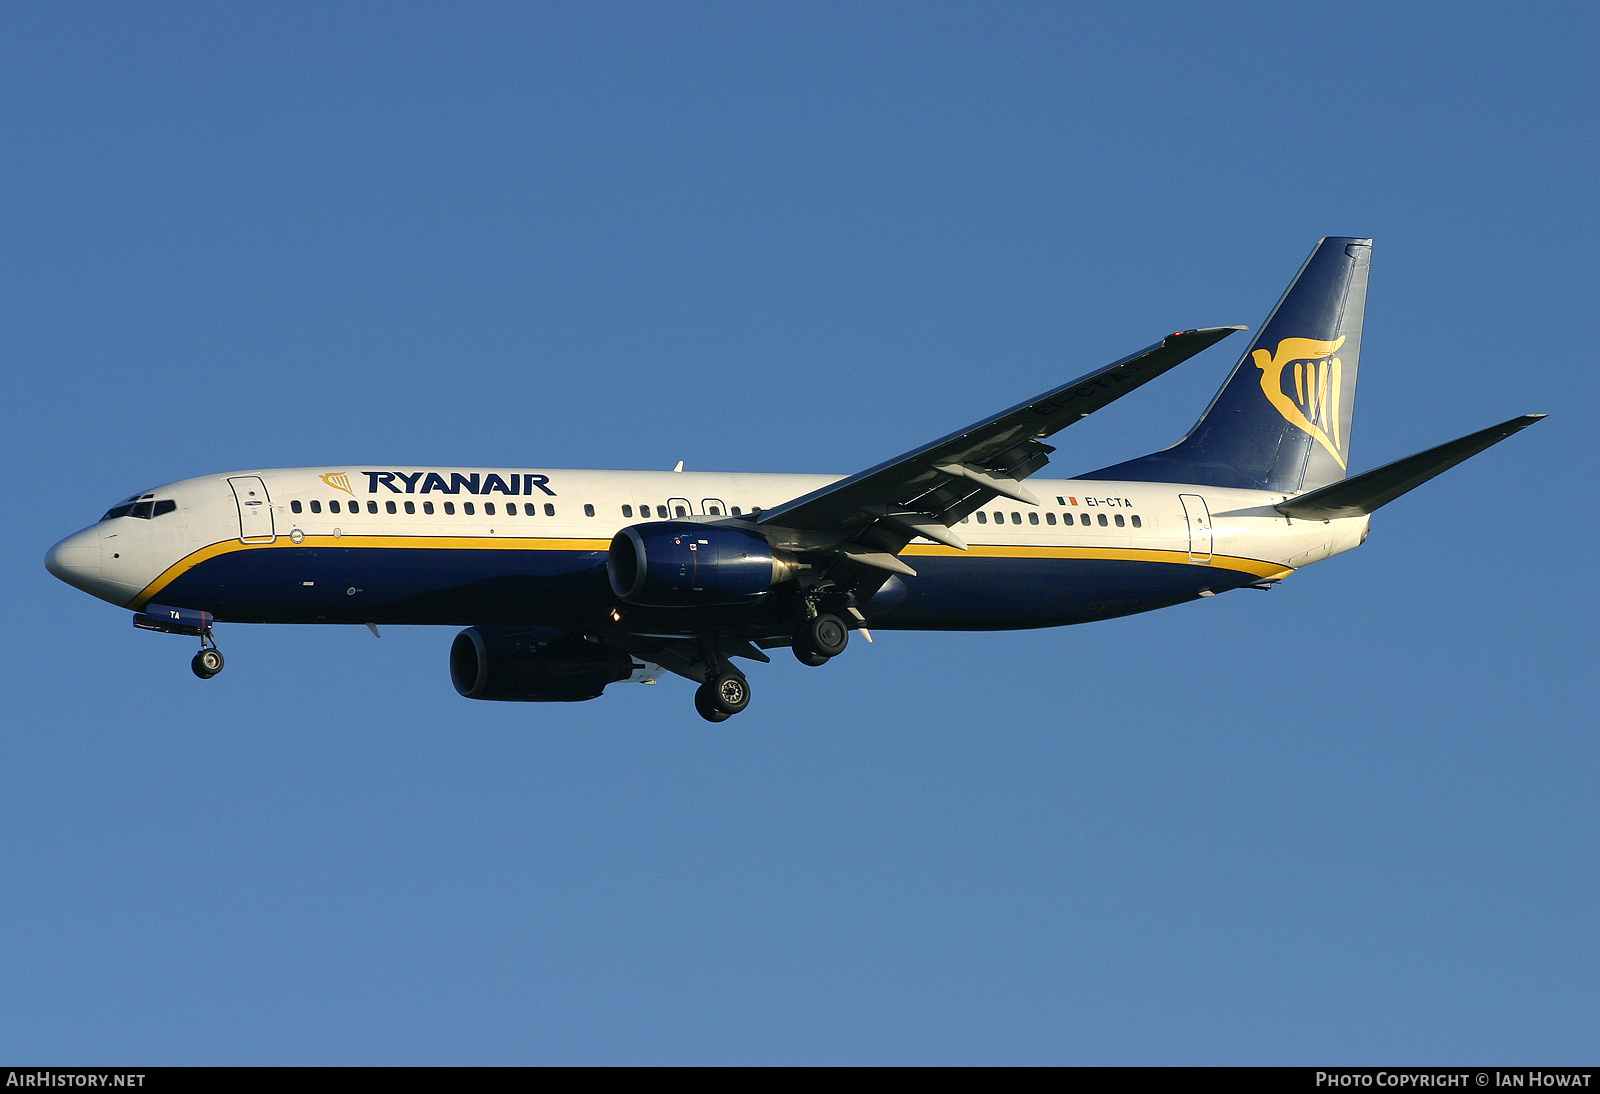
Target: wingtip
[1215, 333]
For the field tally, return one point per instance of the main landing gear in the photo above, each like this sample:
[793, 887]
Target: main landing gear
[725, 693]
[820, 639]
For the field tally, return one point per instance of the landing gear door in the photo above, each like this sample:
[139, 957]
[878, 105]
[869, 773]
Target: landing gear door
[1199, 517]
[255, 509]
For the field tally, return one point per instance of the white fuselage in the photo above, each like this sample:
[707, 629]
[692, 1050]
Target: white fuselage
[130, 561]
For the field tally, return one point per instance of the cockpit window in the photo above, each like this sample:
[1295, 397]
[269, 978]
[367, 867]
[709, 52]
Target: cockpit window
[141, 507]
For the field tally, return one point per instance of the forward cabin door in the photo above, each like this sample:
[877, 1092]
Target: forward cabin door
[255, 509]
[1199, 518]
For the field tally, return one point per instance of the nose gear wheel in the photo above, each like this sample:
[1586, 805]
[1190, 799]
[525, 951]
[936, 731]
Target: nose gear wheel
[207, 663]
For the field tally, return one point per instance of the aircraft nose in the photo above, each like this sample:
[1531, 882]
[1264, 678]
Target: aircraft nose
[76, 560]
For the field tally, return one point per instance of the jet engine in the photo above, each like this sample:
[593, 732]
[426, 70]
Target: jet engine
[673, 564]
[533, 665]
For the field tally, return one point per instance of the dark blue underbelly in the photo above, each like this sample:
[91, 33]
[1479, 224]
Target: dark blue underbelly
[463, 587]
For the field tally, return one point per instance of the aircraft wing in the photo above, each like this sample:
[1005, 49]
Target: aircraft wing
[928, 489]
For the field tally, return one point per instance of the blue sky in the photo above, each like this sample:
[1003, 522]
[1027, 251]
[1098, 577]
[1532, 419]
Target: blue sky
[1350, 821]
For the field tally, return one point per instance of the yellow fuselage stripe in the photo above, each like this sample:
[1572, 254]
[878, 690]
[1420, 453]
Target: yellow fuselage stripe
[1251, 566]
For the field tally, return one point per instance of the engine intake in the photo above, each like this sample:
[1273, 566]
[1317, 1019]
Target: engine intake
[672, 564]
[533, 665]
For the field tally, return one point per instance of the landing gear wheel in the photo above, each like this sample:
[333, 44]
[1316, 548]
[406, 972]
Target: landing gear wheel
[722, 696]
[825, 636]
[810, 657]
[702, 703]
[207, 663]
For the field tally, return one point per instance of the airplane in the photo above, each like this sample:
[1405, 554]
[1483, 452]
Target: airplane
[568, 581]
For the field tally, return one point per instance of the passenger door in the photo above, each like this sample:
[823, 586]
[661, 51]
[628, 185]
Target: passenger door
[1199, 518]
[255, 509]
[712, 507]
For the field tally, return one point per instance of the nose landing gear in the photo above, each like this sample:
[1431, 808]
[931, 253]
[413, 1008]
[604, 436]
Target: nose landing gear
[207, 663]
[188, 621]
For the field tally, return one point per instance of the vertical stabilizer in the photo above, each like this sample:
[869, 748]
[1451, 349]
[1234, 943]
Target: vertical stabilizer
[1282, 420]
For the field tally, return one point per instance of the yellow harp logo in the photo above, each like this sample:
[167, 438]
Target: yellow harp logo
[339, 481]
[1318, 384]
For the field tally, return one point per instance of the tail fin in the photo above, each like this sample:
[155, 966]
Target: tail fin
[1282, 421]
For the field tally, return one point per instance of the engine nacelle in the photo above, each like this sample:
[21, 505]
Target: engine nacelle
[533, 665]
[675, 564]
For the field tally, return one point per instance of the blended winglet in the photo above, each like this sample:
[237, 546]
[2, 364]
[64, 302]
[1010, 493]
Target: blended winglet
[1367, 492]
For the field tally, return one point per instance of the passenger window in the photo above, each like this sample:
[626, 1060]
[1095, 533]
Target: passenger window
[466, 508]
[549, 509]
[1033, 518]
[1083, 519]
[1120, 521]
[1102, 520]
[627, 510]
[661, 511]
[142, 510]
[488, 508]
[449, 508]
[372, 507]
[1049, 518]
[963, 520]
[388, 506]
[316, 507]
[411, 508]
[588, 510]
[1136, 522]
[427, 508]
[999, 518]
[736, 511]
[682, 512]
[294, 506]
[983, 518]
[333, 506]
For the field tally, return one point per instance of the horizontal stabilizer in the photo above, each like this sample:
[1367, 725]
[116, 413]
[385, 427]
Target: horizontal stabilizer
[1376, 488]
